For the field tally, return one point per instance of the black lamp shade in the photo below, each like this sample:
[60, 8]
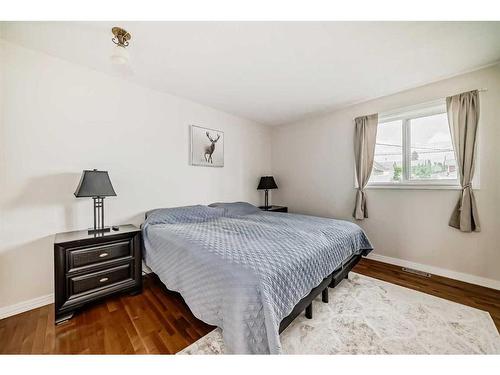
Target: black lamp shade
[267, 183]
[94, 184]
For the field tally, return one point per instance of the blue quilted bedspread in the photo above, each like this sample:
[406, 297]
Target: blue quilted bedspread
[243, 269]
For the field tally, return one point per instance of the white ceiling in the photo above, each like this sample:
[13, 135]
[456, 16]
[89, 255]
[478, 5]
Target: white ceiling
[274, 72]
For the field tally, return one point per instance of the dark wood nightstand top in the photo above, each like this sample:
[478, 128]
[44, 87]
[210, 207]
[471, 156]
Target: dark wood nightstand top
[82, 235]
[274, 208]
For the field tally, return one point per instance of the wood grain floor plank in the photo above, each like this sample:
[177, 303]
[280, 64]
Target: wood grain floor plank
[41, 327]
[29, 331]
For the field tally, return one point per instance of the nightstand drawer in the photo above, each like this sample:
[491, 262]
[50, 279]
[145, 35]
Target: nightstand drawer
[82, 257]
[97, 280]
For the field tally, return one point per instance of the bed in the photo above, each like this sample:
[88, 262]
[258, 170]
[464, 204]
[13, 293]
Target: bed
[247, 271]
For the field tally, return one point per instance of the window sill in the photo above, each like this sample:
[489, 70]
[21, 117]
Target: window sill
[416, 187]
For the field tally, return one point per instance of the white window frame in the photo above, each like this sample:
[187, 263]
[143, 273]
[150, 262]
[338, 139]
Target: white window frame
[405, 115]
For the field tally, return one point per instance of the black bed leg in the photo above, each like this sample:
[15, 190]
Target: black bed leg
[309, 311]
[346, 276]
[324, 295]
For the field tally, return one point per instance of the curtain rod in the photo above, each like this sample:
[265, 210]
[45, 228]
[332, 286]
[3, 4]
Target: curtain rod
[483, 89]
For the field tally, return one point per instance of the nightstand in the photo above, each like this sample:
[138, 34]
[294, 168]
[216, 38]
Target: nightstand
[274, 208]
[89, 267]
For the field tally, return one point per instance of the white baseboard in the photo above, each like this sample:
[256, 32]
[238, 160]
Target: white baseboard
[146, 269]
[21, 307]
[471, 279]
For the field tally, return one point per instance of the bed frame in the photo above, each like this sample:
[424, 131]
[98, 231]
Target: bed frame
[330, 281]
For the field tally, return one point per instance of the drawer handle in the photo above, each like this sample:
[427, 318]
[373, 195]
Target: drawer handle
[102, 255]
[104, 279]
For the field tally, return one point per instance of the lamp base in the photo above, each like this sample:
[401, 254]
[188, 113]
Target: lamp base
[100, 230]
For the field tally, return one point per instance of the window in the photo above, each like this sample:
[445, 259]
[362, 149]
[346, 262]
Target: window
[414, 148]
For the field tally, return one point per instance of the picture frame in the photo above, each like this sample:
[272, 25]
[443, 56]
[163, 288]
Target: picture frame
[206, 147]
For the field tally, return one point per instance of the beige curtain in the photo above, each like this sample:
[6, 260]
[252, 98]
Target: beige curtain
[365, 135]
[463, 117]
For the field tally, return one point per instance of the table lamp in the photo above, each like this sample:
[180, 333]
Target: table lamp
[96, 185]
[266, 183]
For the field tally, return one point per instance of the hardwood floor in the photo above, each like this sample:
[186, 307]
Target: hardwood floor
[155, 321]
[158, 321]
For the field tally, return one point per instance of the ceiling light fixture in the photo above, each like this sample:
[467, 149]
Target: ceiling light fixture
[120, 55]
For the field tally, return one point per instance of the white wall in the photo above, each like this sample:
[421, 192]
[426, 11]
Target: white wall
[313, 162]
[58, 118]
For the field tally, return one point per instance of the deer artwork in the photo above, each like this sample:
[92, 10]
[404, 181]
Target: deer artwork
[209, 150]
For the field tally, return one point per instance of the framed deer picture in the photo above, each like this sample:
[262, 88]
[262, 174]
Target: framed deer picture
[207, 147]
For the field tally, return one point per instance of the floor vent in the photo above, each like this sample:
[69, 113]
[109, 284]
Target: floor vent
[416, 272]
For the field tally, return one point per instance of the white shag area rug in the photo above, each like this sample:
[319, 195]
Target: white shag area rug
[369, 316]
